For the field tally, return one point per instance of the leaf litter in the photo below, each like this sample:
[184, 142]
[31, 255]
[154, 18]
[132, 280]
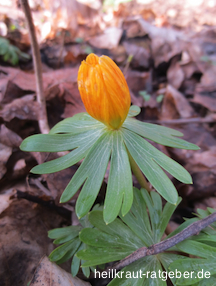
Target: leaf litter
[168, 55]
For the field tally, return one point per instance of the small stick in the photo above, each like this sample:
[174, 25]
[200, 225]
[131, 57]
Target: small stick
[208, 119]
[192, 229]
[49, 204]
[43, 122]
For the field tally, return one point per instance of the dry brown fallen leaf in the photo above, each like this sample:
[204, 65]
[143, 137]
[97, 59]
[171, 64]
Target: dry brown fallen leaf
[22, 108]
[166, 42]
[58, 181]
[175, 73]
[137, 81]
[5, 153]
[109, 39]
[73, 102]
[23, 239]
[4, 201]
[59, 83]
[26, 81]
[203, 172]
[208, 78]
[141, 55]
[8, 137]
[206, 160]
[209, 202]
[175, 105]
[205, 96]
[48, 273]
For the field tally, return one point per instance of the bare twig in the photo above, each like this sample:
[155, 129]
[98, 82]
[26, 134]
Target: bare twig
[192, 229]
[207, 119]
[49, 204]
[43, 122]
[41, 186]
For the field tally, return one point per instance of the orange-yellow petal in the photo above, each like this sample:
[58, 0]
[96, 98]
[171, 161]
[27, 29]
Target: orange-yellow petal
[104, 90]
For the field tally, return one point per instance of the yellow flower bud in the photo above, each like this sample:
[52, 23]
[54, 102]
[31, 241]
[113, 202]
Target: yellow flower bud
[104, 90]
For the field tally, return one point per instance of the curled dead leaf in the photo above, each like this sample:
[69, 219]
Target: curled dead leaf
[175, 105]
[8, 137]
[48, 273]
[22, 108]
[108, 40]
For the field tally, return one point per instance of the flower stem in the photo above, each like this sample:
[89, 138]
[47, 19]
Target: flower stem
[138, 174]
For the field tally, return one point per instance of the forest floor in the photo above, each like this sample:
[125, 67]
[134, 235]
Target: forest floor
[167, 52]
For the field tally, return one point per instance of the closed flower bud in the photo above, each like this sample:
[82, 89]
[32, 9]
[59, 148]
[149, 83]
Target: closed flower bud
[104, 90]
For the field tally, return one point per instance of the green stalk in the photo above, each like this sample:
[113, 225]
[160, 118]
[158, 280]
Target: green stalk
[138, 174]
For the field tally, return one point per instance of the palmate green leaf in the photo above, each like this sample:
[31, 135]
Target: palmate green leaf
[126, 236]
[107, 242]
[70, 253]
[159, 134]
[84, 221]
[197, 248]
[144, 156]
[75, 264]
[210, 230]
[166, 259]
[202, 213]
[85, 270]
[82, 142]
[95, 237]
[159, 218]
[91, 173]
[63, 231]
[96, 256]
[168, 164]
[182, 226]
[57, 142]
[114, 228]
[154, 204]
[66, 238]
[195, 265]
[70, 236]
[115, 241]
[206, 282]
[144, 271]
[70, 246]
[79, 123]
[137, 219]
[118, 239]
[168, 210]
[62, 235]
[85, 136]
[120, 185]
[205, 238]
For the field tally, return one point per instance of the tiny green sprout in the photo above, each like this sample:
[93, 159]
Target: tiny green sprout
[109, 133]
[79, 40]
[11, 53]
[160, 98]
[145, 95]
[130, 57]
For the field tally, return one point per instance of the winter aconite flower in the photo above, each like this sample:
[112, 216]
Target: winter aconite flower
[106, 97]
[104, 90]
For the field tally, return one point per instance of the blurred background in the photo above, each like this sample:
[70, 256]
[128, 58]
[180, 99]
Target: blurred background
[167, 52]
